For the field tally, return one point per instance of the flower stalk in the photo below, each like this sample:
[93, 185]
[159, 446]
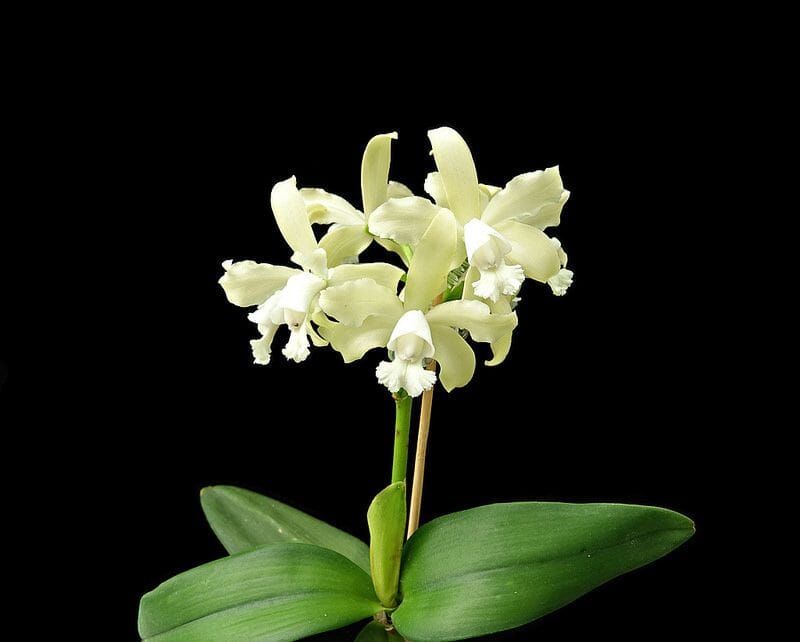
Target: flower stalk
[402, 428]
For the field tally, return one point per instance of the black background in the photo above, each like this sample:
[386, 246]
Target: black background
[603, 397]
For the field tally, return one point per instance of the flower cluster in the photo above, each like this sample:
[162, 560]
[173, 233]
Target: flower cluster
[465, 254]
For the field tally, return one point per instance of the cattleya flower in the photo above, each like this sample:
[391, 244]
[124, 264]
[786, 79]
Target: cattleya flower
[356, 307]
[349, 235]
[502, 229]
[372, 315]
[291, 296]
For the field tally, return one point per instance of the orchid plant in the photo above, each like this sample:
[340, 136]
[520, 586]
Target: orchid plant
[456, 264]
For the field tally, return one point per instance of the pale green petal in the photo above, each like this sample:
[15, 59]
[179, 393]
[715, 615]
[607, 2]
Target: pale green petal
[536, 197]
[434, 187]
[472, 275]
[456, 359]
[383, 274]
[317, 340]
[315, 262]
[291, 216]
[403, 220]
[375, 170]
[457, 169]
[427, 276]
[502, 306]
[391, 246]
[489, 190]
[500, 347]
[353, 342]
[473, 316]
[398, 190]
[345, 242]
[324, 207]
[532, 249]
[354, 301]
[250, 283]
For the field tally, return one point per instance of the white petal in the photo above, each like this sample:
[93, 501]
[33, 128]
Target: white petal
[561, 282]
[375, 170]
[434, 187]
[354, 301]
[352, 342]
[456, 358]
[262, 347]
[404, 220]
[300, 290]
[474, 316]
[268, 313]
[250, 283]
[501, 280]
[391, 374]
[411, 377]
[510, 277]
[432, 260]
[292, 217]
[537, 196]
[344, 242]
[413, 322]
[324, 207]
[297, 347]
[398, 190]
[479, 236]
[531, 248]
[457, 169]
[383, 274]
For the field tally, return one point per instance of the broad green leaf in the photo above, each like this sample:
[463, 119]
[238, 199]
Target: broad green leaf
[243, 520]
[387, 526]
[500, 566]
[274, 593]
[376, 632]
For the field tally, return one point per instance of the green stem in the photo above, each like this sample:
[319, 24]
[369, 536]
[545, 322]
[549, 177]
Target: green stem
[402, 428]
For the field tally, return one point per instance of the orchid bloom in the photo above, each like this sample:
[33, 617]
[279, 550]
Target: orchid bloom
[371, 315]
[290, 296]
[502, 229]
[349, 235]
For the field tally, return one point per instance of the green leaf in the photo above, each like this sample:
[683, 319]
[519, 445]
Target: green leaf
[243, 520]
[387, 526]
[500, 566]
[277, 592]
[376, 632]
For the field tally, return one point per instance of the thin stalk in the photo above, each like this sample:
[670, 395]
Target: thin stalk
[422, 450]
[419, 459]
[402, 428]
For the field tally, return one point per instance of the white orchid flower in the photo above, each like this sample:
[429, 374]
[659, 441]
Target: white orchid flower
[349, 235]
[291, 296]
[371, 315]
[502, 229]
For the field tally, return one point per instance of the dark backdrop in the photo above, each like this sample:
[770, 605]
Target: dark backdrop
[601, 399]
